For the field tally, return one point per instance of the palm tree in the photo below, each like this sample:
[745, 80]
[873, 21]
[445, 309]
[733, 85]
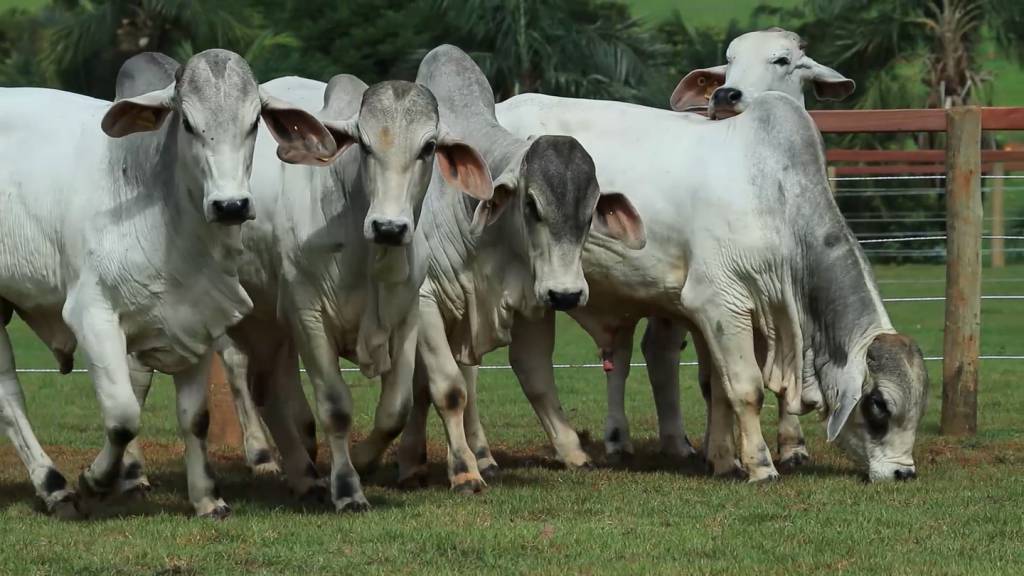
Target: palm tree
[567, 47]
[90, 38]
[871, 39]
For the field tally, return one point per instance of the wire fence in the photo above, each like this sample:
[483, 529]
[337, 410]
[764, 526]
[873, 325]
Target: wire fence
[928, 230]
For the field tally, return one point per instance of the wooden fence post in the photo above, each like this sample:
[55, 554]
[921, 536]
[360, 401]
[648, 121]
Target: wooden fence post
[224, 427]
[998, 226]
[963, 272]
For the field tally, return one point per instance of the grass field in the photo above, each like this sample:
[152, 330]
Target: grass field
[961, 516]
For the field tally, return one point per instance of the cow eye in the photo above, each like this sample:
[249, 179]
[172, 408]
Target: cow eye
[531, 208]
[428, 150]
[187, 125]
[781, 61]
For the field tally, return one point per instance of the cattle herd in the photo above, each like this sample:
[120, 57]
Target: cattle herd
[413, 228]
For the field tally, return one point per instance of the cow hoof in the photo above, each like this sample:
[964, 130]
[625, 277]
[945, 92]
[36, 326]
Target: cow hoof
[765, 478]
[88, 491]
[219, 512]
[138, 491]
[468, 484]
[620, 458]
[794, 460]
[579, 462]
[317, 494]
[490, 471]
[729, 471]
[64, 506]
[355, 504]
[266, 470]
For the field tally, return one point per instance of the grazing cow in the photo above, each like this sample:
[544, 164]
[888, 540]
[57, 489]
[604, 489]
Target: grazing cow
[494, 264]
[140, 74]
[758, 62]
[747, 248]
[334, 264]
[131, 245]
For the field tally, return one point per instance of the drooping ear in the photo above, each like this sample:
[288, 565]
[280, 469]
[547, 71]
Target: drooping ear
[845, 404]
[695, 89]
[829, 84]
[301, 138]
[144, 113]
[344, 132]
[503, 193]
[616, 218]
[464, 168]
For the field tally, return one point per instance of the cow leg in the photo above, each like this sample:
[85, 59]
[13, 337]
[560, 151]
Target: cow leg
[719, 446]
[334, 407]
[395, 398]
[661, 344]
[50, 485]
[448, 391]
[258, 453]
[194, 424]
[731, 344]
[530, 354]
[412, 449]
[280, 388]
[485, 461]
[133, 478]
[99, 331]
[792, 446]
[617, 443]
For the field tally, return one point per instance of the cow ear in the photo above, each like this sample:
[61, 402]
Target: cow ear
[695, 89]
[844, 406]
[504, 192]
[829, 84]
[463, 167]
[144, 113]
[344, 132]
[301, 138]
[616, 218]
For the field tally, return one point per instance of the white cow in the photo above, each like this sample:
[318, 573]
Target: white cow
[334, 263]
[495, 264]
[745, 246]
[757, 62]
[132, 245]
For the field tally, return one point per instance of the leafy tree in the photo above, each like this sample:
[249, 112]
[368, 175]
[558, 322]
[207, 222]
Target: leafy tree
[589, 48]
[89, 39]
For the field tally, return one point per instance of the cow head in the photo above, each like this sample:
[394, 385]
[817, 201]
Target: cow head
[554, 188]
[400, 136]
[216, 106]
[757, 62]
[878, 429]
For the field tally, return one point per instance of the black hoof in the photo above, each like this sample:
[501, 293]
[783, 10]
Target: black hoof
[221, 512]
[315, 495]
[354, 506]
[491, 472]
[794, 461]
[619, 458]
[469, 487]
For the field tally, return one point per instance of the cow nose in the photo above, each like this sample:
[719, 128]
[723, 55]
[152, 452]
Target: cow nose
[564, 300]
[725, 96]
[231, 211]
[389, 233]
[905, 474]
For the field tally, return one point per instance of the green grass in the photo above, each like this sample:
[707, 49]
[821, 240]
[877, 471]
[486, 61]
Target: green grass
[961, 516]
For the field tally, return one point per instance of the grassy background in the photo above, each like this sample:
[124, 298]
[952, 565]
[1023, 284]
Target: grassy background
[961, 516]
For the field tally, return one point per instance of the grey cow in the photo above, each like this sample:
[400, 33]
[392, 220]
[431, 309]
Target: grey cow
[494, 263]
